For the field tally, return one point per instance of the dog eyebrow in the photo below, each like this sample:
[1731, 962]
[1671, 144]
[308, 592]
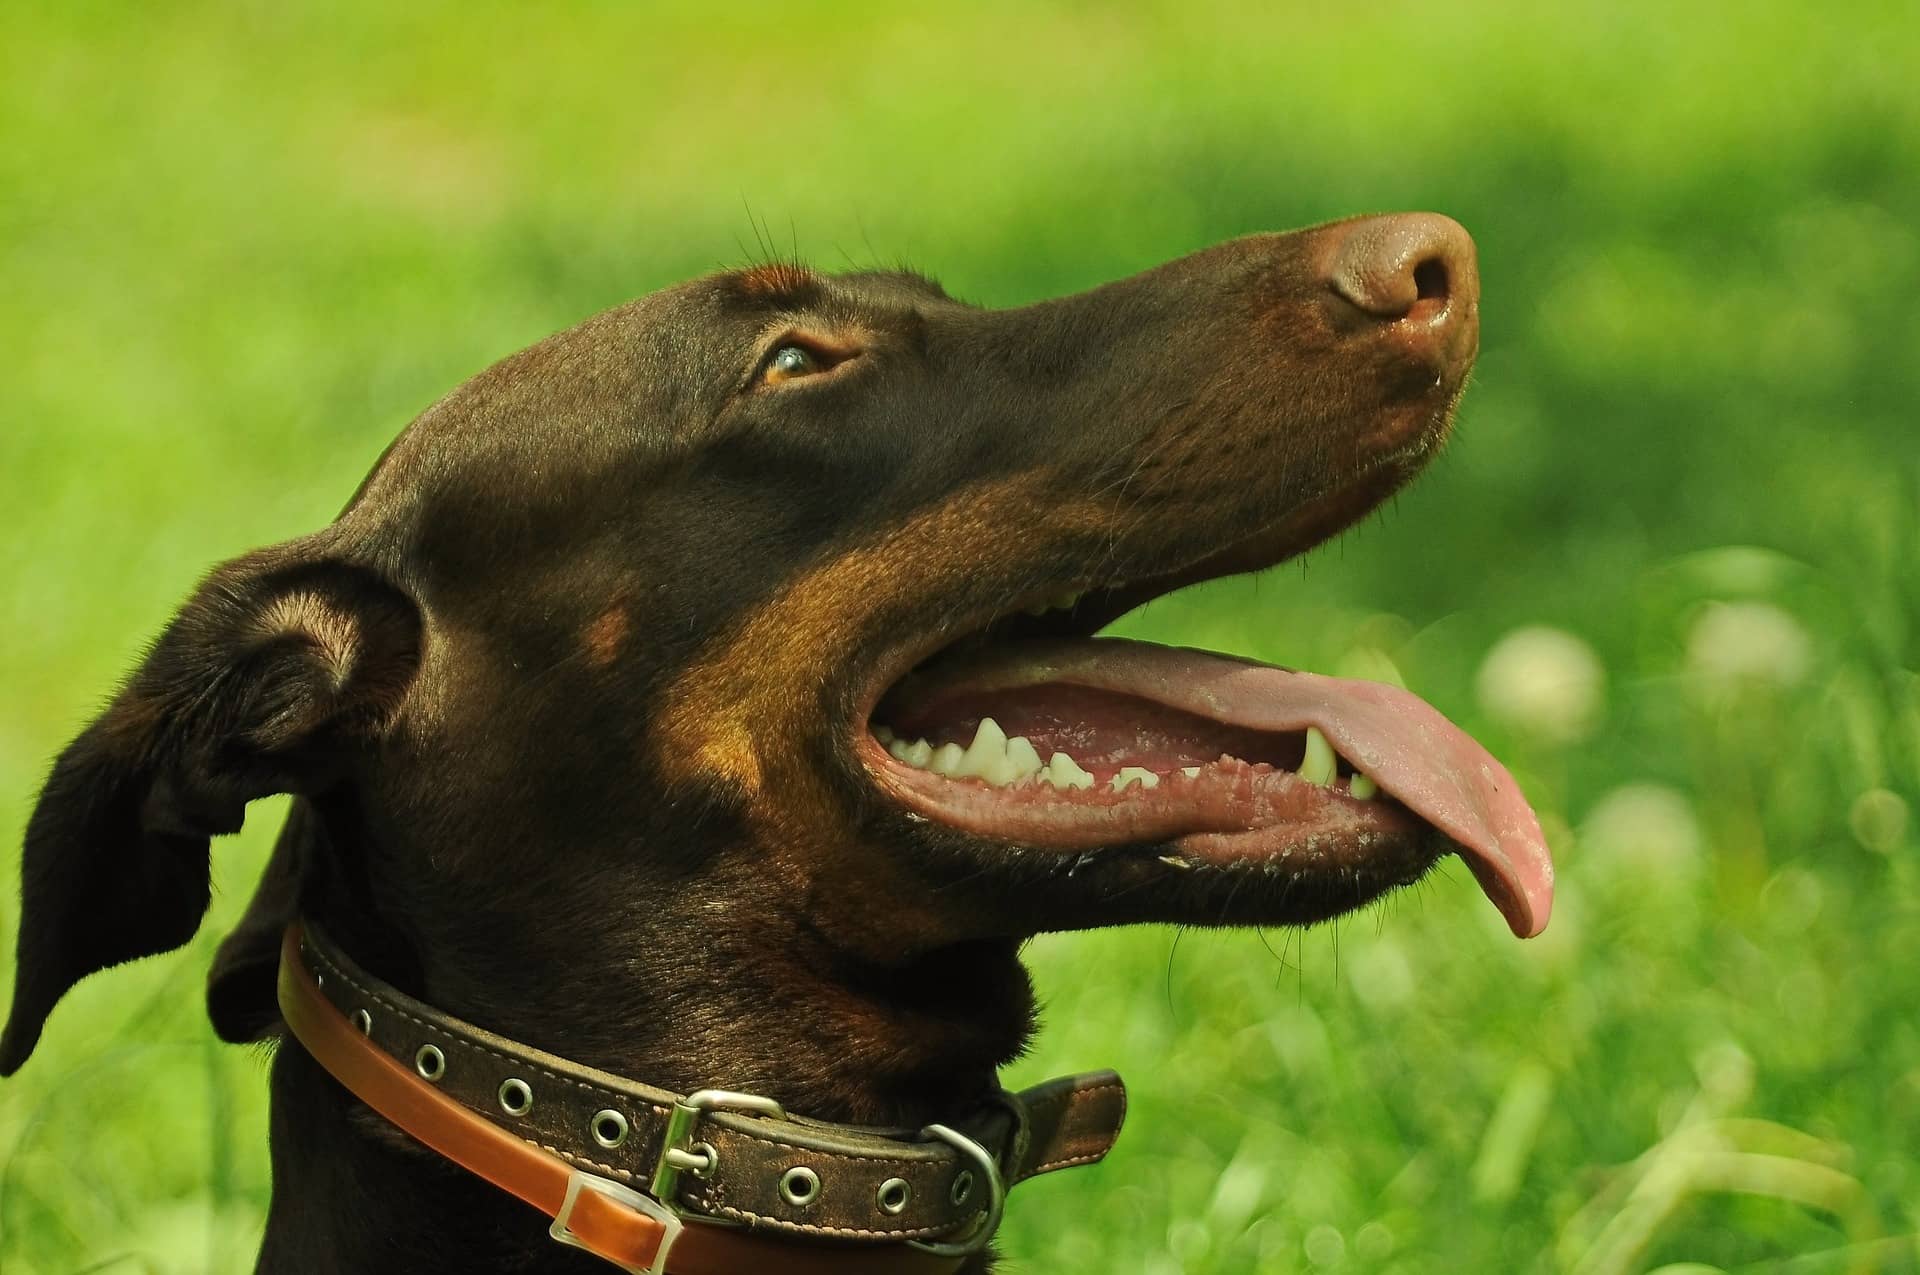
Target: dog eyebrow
[777, 283]
[902, 278]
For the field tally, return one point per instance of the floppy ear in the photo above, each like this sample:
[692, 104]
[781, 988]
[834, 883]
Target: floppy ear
[268, 678]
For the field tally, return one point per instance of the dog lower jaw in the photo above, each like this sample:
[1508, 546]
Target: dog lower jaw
[1090, 861]
[1195, 809]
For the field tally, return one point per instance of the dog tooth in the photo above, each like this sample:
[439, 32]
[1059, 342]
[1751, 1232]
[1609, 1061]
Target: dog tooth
[1130, 775]
[1361, 788]
[919, 753]
[1058, 602]
[1064, 772]
[990, 731]
[1024, 758]
[1175, 861]
[1317, 767]
[986, 757]
[900, 750]
[1191, 772]
[884, 734]
[946, 760]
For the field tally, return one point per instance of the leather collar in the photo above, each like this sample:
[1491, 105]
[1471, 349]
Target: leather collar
[620, 1165]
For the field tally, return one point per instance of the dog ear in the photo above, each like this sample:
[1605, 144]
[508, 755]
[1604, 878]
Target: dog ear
[279, 666]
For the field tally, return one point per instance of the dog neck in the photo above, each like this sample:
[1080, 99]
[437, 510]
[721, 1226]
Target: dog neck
[791, 1016]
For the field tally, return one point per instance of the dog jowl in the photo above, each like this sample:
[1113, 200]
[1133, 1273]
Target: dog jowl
[708, 693]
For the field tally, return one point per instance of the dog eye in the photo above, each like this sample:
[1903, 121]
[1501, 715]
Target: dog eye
[790, 362]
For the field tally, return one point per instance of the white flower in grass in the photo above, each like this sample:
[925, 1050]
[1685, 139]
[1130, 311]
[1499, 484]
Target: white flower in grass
[1545, 682]
[1739, 644]
[1878, 818]
[1649, 830]
[1325, 1246]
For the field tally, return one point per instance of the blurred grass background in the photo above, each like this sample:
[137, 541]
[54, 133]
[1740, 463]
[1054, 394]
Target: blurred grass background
[1670, 567]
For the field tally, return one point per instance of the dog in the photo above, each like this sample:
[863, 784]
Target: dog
[707, 695]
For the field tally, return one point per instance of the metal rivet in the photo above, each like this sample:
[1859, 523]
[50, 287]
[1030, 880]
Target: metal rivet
[893, 1196]
[364, 1021]
[430, 1062]
[516, 1097]
[962, 1186]
[609, 1128]
[800, 1186]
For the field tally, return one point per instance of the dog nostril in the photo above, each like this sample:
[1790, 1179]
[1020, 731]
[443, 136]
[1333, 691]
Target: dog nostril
[1388, 266]
[1430, 280]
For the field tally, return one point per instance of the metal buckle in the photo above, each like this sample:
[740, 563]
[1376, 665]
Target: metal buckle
[996, 1196]
[677, 1148]
[666, 1217]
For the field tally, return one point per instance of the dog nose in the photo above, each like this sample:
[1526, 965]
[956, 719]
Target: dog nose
[1414, 272]
[1390, 266]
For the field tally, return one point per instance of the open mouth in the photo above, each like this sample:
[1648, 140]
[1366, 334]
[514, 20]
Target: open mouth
[1033, 732]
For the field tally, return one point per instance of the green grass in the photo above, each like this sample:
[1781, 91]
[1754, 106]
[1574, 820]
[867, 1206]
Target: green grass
[241, 244]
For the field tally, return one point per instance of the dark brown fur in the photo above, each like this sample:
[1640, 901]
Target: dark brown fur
[566, 694]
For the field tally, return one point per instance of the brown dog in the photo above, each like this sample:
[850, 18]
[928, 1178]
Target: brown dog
[705, 694]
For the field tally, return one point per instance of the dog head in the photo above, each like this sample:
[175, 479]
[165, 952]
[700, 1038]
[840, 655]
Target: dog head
[658, 655]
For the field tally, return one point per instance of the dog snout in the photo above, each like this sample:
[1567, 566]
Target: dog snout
[1415, 272]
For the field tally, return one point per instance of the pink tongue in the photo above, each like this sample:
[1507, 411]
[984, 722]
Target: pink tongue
[1420, 758]
[1394, 737]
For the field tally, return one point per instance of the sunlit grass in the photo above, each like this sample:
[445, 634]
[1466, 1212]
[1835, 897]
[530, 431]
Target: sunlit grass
[242, 244]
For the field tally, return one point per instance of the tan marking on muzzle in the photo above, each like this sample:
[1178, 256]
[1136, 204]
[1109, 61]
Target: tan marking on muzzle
[740, 711]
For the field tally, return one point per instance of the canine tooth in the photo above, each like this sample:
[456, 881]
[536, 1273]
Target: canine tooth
[986, 757]
[1064, 772]
[1129, 775]
[1059, 602]
[1023, 757]
[1191, 772]
[1317, 767]
[1360, 788]
[946, 760]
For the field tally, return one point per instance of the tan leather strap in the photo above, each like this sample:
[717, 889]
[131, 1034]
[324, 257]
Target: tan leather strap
[585, 1145]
